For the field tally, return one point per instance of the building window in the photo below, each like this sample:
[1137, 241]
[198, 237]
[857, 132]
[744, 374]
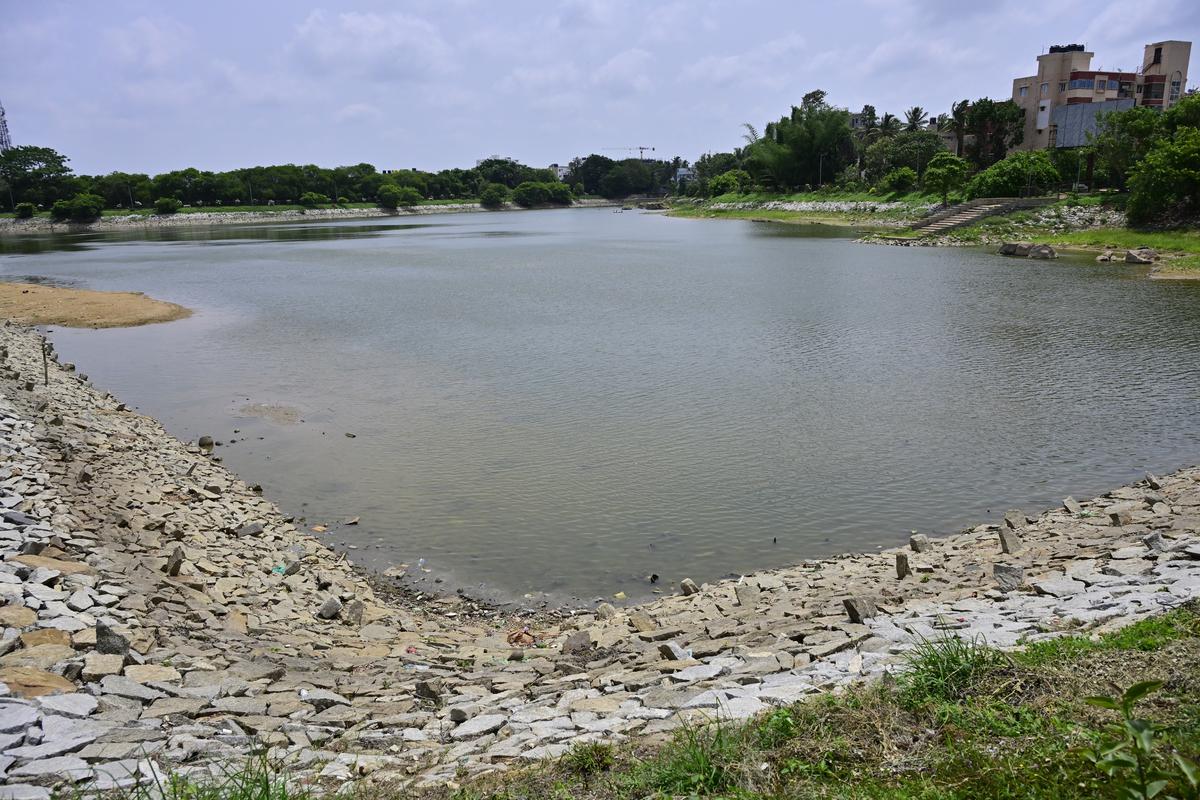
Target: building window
[1062, 86]
[1045, 89]
[1023, 91]
[1154, 91]
[1083, 83]
[1157, 56]
[1176, 86]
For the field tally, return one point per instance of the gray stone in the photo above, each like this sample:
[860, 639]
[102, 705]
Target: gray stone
[919, 542]
[747, 595]
[688, 587]
[174, 562]
[68, 767]
[250, 529]
[20, 791]
[57, 747]
[1153, 481]
[860, 608]
[1009, 577]
[69, 705]
[16, 717]
[1014, 520]
[123, 687]
[479, 726]
[673, 652]
[323, 699]
[1060, 586]
[605, 611]
[1072, 505]
[1138, 257]
[109, 642]
[330, 608]
[578, 642]
[902, 568]
[1009, 542]
[429, 689]
[1042, 251]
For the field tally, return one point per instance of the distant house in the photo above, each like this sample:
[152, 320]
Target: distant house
[685, 174]
[560, 171]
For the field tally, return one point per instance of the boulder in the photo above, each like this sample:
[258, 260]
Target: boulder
[1042, 251]
[330, 608]
[688, 587]
[919, 542]
[1142, 256]
[1072, 505]
[109, 642]
[1010, 542]
[902, 568]
[1019, 249]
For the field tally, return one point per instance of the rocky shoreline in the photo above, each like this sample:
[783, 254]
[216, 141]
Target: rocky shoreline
[160, 616]
[13, 227]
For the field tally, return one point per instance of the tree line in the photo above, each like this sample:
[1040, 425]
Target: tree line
[40, 177]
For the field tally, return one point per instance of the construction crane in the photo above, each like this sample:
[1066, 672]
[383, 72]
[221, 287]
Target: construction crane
[5, 141]
[641, 150]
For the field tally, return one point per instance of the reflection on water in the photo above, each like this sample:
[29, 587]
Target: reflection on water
[568, 401]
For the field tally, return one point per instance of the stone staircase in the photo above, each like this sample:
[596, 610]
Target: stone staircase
[972, 211]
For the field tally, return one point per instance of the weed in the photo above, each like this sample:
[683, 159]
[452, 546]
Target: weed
[701, 759]
[946, 669]
[1130, 755]
[588, 758]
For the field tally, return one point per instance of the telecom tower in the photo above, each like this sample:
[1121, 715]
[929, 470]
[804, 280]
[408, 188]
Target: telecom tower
[5, 141]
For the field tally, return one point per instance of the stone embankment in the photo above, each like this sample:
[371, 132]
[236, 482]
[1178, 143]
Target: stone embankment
[864, 207]
[158, 615]
[229, 217]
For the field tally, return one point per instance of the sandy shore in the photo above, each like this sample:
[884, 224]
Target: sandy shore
[36, 304]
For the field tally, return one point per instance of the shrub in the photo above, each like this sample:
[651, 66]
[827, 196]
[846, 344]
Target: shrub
[392, 196]
[493, 195]
[24, 210]
[80, 208]
[734, 180]
[1021, 173]
[531, 193]
[343, 200]
[899, 181]
[1165, 186]
[313, 199]
[167, 205]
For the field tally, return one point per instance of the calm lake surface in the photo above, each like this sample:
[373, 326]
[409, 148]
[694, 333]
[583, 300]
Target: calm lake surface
[564, 402]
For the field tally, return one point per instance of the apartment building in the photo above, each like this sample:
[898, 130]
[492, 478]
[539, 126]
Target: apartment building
[1065, 78]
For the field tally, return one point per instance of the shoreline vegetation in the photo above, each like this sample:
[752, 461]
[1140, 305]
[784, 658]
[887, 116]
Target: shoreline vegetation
[190, 628]
[40, 304]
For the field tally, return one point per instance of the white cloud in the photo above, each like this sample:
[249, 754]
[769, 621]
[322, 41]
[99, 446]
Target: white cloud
[148, 44]
[628, 70]
[764, 65]
[374, 46]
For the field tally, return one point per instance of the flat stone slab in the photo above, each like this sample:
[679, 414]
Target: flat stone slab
[479, 726]
[1061, 586]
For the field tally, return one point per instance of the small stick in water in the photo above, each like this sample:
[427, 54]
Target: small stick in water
[45, 365]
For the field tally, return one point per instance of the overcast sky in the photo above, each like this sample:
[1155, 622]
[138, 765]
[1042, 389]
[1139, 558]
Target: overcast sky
[152, 86]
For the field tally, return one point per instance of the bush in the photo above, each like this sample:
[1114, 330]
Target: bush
[313, 199]
[80, 208]
[1028, 173]
[531, 193]
[734, 180]
[1165, 186]
[899, 181]
[167, 205]
[493, 195]
[392, 196]
[343, 201]
[24, 210]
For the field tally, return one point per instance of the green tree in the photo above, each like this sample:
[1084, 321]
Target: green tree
[1165, 186]
[995, 128]
[37, 175]
[493, 195]
[1024, 173]
[24, 210]
[806, 147]
[1123, 138]
[946, 173]
[733, 181]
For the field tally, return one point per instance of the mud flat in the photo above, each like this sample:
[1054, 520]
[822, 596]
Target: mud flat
[159, 615]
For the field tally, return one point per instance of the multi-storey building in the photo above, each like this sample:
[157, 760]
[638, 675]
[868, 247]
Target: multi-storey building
[1065, 78]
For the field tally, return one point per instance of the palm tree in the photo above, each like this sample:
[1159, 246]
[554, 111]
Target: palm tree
[914, 118]
[958, 124]
[751, 134]
[889, 125]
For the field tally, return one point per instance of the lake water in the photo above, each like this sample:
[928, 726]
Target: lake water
[561, 403]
